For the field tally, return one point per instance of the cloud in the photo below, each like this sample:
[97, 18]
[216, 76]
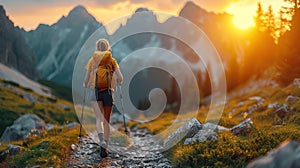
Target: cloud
[108, 2]
[33, 12]
[211, 5]
[138, 1]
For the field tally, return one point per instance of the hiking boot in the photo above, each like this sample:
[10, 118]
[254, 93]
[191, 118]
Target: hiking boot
[103, 150]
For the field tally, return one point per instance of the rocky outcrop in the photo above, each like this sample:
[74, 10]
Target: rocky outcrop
[292, 99]
[297, 82]
[201, 136]
[257, 105]
[287, 155]
[243, 128]
[72, 124]
[14, 51]
[211, 126]
[49, 126]
[13, 149]
[187, 130]
[10, 150]
[282, 111]
[56, 56]
[25, 125]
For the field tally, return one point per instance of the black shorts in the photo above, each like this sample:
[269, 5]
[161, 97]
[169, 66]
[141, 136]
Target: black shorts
[106, 96]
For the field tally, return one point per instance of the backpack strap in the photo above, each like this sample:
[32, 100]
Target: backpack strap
[113, 68]
[108, 82]
[96, 82]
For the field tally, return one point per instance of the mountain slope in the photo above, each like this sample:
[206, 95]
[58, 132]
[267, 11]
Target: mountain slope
[11, 75]
[57, 46]
[218, 27]
[14, 52]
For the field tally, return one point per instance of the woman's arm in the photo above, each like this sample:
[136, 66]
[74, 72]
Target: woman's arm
[119, 76]
[86, 79]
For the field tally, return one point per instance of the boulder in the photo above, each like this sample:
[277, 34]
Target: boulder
[187, 130]
[257, 98]
[22, 127]
[10, 150]
[217, 128]
[29, 97]
[72, 124]
[257, 105]
[13, 149]
[49, 126]
[287, 155]
[297, 82]
[292, 99]
[282, 111]
[201, 136]
[243, 128]
[63, 106]
[274, 105]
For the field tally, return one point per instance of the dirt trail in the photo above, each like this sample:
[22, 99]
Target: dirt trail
[143, 152]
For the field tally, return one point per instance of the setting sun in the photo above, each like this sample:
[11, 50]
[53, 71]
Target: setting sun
[242, 16]
[243, 21]
[244, 11]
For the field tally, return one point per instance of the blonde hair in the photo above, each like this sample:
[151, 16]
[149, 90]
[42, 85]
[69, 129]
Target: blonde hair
[102, 45]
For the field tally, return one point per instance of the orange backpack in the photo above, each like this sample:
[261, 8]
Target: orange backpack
[104, 74]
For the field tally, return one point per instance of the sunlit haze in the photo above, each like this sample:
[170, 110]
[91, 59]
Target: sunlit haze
[29, 14]
[244, 11]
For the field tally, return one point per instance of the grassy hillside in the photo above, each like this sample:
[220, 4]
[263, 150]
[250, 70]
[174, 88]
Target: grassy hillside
[51, 148]
[47, 149]
[13, 105]
[236, 151]
[58, 90]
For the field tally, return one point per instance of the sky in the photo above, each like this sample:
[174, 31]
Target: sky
[30, 13]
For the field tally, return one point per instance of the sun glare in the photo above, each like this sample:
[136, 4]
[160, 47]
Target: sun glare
[243, 22]
[242, 16]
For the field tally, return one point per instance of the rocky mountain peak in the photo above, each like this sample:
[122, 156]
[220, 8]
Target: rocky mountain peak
[190, 8]
[78, 11]
[14, 52]
[77, 16]
[141, 10]
[2, 10]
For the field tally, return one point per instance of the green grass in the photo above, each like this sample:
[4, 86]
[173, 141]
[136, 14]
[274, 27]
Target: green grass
[238, 151]
[158, 125]
[58, 90]
[231, 150]
[13, 105]
[51, 147]
[47, 149]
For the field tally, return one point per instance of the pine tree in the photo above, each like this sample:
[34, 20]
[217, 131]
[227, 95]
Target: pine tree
[260, 18]
[270, 22]
[288, 63]
[286, 15]
[295, 4]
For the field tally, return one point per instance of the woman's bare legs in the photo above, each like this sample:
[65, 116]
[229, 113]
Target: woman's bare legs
[102, 119]
[98, 107]
[107, 114]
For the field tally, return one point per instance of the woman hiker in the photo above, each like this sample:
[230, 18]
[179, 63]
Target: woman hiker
[102, 72]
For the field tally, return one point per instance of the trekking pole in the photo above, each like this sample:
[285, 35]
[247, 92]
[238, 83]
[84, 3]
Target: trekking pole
[122, 104]
[81, 119]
